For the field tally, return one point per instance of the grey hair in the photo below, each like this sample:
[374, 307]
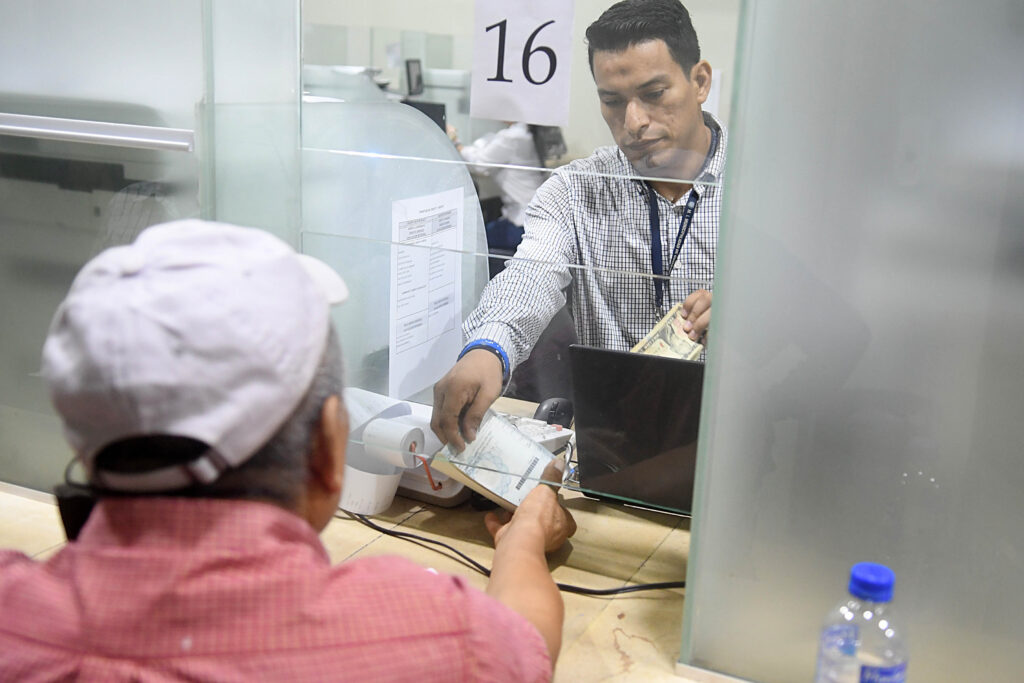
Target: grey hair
[279, 471]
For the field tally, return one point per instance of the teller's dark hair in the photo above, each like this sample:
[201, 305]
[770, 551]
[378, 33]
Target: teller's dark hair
[630, 22]
[548, 141]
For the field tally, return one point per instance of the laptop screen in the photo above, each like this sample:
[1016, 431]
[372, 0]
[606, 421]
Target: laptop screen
[637, 417]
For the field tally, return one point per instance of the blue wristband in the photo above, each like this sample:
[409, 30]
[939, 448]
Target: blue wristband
[495, 348]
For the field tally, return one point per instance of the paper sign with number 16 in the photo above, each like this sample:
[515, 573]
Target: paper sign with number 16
[522, 52]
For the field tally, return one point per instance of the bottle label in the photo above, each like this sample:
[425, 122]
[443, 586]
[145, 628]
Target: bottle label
[840, 638]
[884, 674]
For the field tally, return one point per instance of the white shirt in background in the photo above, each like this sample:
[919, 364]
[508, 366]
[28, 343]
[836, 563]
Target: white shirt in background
[514, 146]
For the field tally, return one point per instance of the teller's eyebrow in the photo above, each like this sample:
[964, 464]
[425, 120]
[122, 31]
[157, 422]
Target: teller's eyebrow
[656, 81]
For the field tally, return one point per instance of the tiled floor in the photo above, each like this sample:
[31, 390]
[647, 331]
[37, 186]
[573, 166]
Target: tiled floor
[634, 637]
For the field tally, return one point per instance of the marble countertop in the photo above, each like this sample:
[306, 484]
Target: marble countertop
[635, 636]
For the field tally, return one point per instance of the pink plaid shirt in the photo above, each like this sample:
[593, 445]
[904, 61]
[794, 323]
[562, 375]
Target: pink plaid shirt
[171, 588]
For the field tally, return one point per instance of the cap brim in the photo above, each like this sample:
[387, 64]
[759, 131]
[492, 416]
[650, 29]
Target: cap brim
[333, 287]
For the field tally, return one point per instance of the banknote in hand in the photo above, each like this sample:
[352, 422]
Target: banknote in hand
[669, 339]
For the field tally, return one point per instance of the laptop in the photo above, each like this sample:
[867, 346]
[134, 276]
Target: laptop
[636, 426]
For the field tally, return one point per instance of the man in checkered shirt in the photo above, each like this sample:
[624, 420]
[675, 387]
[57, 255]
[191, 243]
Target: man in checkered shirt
[632, 229]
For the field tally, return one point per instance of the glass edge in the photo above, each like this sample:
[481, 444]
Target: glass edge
[744, 37]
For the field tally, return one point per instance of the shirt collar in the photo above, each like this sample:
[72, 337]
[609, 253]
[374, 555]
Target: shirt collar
[715, 166]
[236, 525]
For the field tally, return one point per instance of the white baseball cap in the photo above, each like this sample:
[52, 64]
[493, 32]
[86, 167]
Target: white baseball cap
[197, 329]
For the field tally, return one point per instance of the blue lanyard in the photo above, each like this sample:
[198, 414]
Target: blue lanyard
[661, 277]
[661, 281]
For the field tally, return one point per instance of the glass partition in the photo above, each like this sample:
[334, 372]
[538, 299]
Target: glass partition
[364, 165]
[90, 154]
[864, 395]
[113, 120]
[387, 120]
[603, 463]
[309, 120]
[377, 38]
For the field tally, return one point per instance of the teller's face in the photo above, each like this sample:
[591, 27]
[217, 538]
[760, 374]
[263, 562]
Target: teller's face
[653, 107]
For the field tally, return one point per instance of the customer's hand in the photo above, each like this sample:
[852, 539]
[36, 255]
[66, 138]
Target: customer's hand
[540, 512]
[463, 395]
[697, 309]
[520, 576]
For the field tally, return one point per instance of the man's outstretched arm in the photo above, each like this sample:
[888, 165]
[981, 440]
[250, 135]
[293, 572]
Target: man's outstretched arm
[514, 310]
[520, 577]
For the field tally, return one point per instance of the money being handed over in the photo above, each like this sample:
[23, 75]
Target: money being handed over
[502, 463]
[669, 339]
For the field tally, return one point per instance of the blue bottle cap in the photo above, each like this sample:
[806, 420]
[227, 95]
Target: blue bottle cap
[871, 581]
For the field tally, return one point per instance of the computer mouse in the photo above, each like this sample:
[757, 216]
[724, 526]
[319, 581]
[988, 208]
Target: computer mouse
[555, 411]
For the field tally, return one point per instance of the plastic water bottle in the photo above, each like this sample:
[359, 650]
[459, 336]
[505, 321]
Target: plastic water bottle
[860, 641]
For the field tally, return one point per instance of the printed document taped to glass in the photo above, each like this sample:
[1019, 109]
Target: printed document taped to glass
[426, 289]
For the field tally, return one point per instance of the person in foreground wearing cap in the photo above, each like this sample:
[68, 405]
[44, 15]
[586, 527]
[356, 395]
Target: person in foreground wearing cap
[199, 380]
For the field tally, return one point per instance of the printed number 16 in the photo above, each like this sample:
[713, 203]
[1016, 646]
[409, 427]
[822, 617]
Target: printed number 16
[528, 52]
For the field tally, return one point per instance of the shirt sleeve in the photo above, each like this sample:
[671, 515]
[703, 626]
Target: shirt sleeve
[497, 147]
[11, 561]
[509, 145]
[517, 305]
[503, 645]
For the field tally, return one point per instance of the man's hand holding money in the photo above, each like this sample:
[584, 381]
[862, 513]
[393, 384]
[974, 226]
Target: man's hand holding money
[697, 309]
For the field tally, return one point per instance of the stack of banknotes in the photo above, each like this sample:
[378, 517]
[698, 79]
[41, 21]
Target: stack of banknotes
[668, 338]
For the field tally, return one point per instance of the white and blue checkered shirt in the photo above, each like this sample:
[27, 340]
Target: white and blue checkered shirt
[589, 227]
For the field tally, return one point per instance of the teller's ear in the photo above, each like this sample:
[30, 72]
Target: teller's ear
[700, 78]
